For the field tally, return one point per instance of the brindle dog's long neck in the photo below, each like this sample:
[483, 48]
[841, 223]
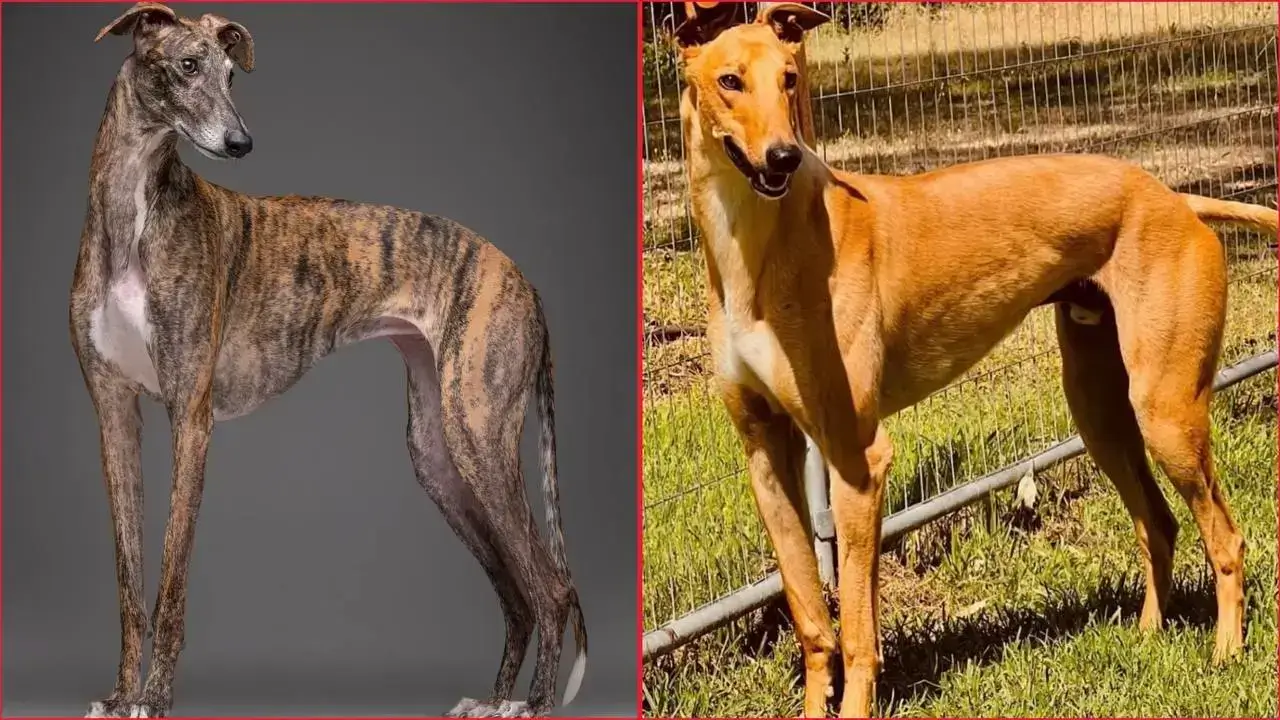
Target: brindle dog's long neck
[135, 169]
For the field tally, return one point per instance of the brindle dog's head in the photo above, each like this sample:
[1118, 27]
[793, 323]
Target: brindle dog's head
[741, 82]
[180, 73]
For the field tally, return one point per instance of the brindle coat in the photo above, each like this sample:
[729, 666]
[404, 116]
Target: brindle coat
[212, 302]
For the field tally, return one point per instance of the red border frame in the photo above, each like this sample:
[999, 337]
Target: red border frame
[639, 304]
[638, 318]
[639, 154]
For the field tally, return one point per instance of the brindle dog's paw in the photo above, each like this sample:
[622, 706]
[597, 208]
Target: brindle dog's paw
[512, 708]
[142, 710]
[493, 708]
[467, 707]
[108, 709]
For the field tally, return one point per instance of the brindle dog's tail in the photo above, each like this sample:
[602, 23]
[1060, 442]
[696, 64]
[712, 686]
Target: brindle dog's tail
[551, 498]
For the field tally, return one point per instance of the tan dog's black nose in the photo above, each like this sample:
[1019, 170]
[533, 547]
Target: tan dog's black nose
[783, 159]
[238, 144]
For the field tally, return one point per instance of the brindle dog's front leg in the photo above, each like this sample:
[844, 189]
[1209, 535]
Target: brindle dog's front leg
[120, 430]
[192, 421]
[184, 362]
[191, 430]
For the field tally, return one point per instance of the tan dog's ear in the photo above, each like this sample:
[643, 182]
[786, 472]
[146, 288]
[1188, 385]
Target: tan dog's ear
[235, 39]
[140, 17]
[790, 20]
[704, 21]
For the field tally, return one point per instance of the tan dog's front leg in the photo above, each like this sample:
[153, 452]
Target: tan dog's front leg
[857, 493]
[775, 453]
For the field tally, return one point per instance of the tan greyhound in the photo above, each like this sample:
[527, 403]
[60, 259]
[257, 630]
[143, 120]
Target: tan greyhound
[212, 302]
[838, 299]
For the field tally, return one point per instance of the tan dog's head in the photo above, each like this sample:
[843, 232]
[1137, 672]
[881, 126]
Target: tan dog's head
[741, 81]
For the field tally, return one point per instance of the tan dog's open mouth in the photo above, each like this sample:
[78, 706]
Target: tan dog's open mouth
[768, 184]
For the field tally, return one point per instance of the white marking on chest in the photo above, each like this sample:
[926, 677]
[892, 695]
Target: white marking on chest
[121, 332]
[749, 354]
[140, 209]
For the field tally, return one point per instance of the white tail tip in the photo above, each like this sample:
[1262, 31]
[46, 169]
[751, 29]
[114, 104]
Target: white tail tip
[575, 678]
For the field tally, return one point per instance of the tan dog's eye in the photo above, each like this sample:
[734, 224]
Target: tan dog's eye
[732, 83]
[790, 80]
[190, 66]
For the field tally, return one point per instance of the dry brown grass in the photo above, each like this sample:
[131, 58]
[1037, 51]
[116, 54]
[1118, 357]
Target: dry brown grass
[991, 28]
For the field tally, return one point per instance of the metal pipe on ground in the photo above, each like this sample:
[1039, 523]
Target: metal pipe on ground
[738, 603]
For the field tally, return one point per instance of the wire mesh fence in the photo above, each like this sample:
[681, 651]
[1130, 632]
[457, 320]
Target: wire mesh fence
[1186, 90]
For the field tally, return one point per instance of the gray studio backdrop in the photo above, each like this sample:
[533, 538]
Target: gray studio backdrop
[324, 580]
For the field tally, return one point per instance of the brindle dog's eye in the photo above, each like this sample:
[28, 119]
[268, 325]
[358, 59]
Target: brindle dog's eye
[190, 66]
[790, 80]
[732, 83]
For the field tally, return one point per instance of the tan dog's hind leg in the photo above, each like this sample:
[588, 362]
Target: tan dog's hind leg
[857, 492]
[1177, 435]
[1170, 329]
[775, 451]
[1097, 390]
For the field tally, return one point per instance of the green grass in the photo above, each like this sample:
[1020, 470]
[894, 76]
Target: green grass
[1017, 619]
[1049, 627]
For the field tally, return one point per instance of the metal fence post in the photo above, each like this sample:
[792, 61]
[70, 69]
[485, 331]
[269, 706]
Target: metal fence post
[819, 501]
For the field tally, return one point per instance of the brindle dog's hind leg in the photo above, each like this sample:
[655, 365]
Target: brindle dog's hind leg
[120, 428]
[437, 474]
[487, 378]
[488, 462]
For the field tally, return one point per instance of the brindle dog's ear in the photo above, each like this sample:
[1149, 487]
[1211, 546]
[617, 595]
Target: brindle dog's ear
[704, 21]
[235, 39]
[140, 17]
[790, 20]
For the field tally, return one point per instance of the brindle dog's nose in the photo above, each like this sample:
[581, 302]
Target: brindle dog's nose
[783, 158]
[238, 144]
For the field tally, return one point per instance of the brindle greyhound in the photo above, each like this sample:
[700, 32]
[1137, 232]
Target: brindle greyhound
[836, 300]
[211, 302]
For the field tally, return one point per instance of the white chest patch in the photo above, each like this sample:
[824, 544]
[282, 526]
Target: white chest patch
[749, 356]
[120, 331]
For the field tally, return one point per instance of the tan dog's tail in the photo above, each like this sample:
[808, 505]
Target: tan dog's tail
[1255, 217]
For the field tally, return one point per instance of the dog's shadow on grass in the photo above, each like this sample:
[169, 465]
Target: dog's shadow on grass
[919, 656]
